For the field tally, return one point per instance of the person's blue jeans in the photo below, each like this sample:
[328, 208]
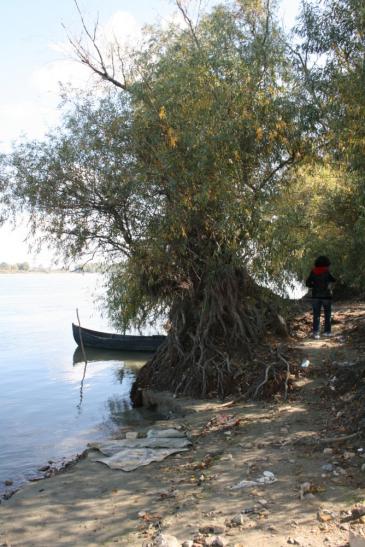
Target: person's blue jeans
[317, 304]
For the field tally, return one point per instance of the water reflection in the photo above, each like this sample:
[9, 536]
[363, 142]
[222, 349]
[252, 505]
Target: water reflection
[129, 360]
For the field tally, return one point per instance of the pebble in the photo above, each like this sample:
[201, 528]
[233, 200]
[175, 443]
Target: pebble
[323, 516]
[327, 467]
[238, 520]
[293, 541]
[142, 514]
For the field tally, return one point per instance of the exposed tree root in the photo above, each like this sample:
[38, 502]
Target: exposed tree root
[212, 344]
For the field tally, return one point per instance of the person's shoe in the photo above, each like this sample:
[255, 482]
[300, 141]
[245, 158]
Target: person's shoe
[327, 334]
[316, 335]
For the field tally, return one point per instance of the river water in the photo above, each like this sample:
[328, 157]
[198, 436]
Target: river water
[50, 407]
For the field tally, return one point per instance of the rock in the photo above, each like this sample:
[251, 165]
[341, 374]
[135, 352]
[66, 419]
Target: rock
[328, 451]
[348, 455]
[293, 541]
[188, 543]
[215, 541]
[163, 540]
[8, 482]
[238, 520]
[212, 529]
[44, 468]
[356, 540]
[284, 430]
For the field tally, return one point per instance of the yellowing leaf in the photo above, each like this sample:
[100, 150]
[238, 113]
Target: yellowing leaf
[162, 113]
[171, 137]
[259, 133]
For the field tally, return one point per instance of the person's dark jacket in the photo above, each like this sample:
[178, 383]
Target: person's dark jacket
[319, 281]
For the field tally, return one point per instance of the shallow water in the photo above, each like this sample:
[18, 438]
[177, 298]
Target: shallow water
[50, 406]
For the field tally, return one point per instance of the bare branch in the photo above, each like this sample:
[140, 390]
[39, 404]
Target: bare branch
[188, 21]
[97, 64]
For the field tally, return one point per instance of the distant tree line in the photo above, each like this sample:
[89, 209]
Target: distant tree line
[18, 267]
[25, 267]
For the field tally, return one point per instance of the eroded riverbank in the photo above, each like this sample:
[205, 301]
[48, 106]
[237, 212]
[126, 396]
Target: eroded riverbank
[195, 496]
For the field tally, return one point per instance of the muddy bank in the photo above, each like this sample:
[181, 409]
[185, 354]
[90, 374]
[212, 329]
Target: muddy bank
[214, 489]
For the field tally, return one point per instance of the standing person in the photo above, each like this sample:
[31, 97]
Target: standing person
[320, 280]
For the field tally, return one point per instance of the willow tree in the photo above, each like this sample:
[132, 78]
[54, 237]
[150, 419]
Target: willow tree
[168, 175]
[332, 52]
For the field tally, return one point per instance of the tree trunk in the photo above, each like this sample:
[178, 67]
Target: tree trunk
[212, 334]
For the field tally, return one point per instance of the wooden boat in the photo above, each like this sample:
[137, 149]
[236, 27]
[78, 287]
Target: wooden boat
[121, 342]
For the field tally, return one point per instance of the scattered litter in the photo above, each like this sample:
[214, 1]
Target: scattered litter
[266, 478]
[305, 363]
[129, 454]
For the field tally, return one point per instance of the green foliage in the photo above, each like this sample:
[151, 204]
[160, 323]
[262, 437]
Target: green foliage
[333, 35]
[169, 179]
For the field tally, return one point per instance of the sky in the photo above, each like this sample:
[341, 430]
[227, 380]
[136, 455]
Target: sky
[35, 58]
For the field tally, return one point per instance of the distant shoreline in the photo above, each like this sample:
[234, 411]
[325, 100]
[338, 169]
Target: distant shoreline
[8, 272]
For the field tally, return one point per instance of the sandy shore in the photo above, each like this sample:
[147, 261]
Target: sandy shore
[190, 496]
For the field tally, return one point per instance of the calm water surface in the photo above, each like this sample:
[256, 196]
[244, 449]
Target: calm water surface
[48, 411]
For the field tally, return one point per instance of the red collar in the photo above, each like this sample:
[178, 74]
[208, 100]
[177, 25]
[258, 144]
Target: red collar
[318, 270]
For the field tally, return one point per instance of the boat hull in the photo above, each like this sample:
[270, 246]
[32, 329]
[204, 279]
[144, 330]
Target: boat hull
[121, 342]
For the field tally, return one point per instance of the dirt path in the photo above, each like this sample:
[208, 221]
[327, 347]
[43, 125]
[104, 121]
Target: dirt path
[190, 496]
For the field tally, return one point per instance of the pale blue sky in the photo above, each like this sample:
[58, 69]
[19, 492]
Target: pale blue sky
[32, 64]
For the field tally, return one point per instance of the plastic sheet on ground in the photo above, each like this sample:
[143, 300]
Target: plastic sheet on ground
[266, 478]
[129, 454]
